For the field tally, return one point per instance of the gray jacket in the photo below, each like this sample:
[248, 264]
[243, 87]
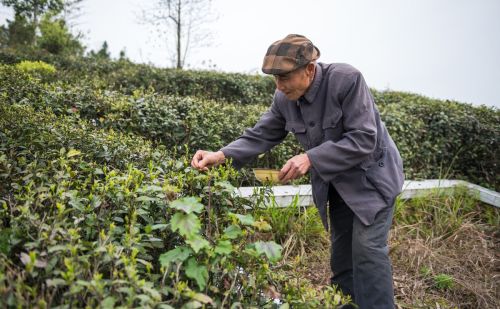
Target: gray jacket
[339, 126]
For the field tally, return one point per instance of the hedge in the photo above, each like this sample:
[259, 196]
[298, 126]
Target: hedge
[126, 76]
[442, 138]
[437, 139]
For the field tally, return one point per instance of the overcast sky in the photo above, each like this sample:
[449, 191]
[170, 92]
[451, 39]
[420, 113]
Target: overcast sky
[447, 49]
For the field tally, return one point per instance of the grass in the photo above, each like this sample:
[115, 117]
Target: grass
[295, 227]
[444, 248]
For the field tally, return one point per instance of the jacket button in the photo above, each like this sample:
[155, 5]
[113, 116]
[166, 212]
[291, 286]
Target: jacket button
[293, 130]
[381, 164]
[311, 124]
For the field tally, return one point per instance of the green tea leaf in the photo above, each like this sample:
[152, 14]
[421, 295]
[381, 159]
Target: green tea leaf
[108, 302]
[73, 152]
[224, 247]
[244, 219]
[187, 204]
[154, 188]
[225, 186]
[192, 305]
[153, 292]
[198, 243]
[232, 232]
[144, 298]
[187, 224]
[5, 241]
[145, 198]
[197, 272]
[179, 254]
[160, 227]
[57, 248]
[262, 225]
[271, 249]
[55, 282]
[202, 298]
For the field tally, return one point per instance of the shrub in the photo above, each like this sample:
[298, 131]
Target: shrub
[44, 134]
[79, 232]
[135, 229]
[443, 139]
[126, 76]
[38, 69]
[437, 139]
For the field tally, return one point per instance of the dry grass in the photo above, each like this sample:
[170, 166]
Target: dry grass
[433, 266]
[470, 257]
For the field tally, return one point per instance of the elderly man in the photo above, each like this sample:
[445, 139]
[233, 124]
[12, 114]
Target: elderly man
[355, 167]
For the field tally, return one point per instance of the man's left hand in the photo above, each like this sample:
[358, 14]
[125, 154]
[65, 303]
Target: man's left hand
[294, 168]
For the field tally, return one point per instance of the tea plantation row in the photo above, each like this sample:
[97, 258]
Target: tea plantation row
[437, 139]
[126, 77]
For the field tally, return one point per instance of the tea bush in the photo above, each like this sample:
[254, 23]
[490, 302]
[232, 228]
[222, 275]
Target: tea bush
[437, 139]
[443, 139]
[132, 229]
[126, 76]
[39, 69]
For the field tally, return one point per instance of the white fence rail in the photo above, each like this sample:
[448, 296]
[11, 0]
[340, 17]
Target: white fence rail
[284, 195]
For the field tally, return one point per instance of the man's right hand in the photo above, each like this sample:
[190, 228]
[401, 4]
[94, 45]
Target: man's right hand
[202, 159]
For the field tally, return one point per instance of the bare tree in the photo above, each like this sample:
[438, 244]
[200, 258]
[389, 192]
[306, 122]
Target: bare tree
[182, 24]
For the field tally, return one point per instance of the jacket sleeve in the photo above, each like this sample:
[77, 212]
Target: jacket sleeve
[267, 132]
[360, 131]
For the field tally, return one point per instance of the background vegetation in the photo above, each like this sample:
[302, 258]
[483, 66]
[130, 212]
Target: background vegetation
[437, 139]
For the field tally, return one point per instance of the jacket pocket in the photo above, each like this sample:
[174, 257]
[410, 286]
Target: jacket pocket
[331, 128]
[299, 130]
[386, 174]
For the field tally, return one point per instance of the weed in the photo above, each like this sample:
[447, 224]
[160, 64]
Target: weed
[443, 281]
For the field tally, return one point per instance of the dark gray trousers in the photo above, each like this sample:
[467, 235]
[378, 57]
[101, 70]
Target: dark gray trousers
[360, 255]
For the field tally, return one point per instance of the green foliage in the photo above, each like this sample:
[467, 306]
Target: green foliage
[442, 212]
[127, 77]
[134, 228]
[436, 139]
[38, 28]
[328, 297]
[18, 34]
[37, 69]
[293, 226]
[269, 248]
[56, 38]
[34, 9]
[443, 139]
[42, 135]
[439, 281]
[19, 86]
[425, 271]
[443, 281]
[102, 53]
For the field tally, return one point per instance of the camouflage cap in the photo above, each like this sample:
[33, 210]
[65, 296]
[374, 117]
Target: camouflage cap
[289, 54]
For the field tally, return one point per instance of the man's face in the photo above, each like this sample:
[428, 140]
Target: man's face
[295, 84]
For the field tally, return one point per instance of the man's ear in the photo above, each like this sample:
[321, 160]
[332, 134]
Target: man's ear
[310, 68]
